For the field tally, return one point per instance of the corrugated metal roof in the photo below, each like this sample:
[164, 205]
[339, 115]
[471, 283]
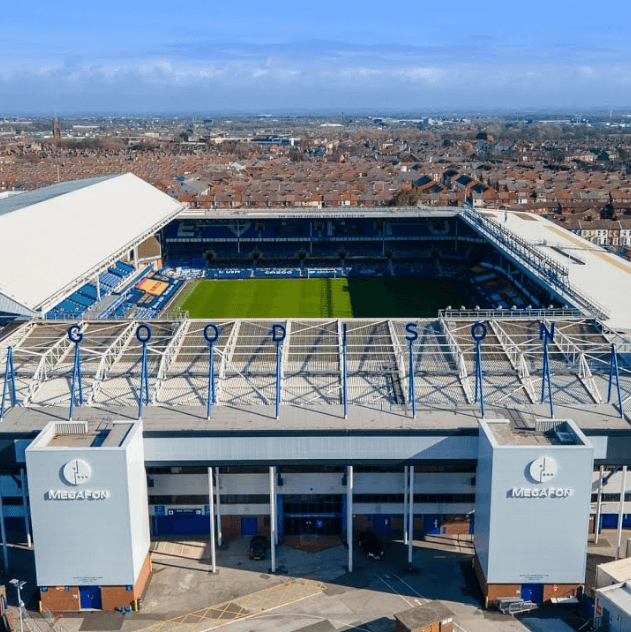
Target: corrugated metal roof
[50, 238]
[28, 198]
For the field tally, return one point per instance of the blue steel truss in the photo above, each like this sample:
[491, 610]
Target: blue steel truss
[479, 386]
[9, 384]
[144, 372]
[75, 336]
[546, 334]
[278, 335]
[614, 373]
[210, 339]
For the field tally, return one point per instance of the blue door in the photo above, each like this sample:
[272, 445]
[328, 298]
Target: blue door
[280, 517]
[532, 592]
[609, 521]
[472, 523]
[382, 525]
[249, 526]
[431, 524]
[90, 597]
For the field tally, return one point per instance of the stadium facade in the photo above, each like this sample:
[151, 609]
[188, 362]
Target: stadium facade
[506, 423]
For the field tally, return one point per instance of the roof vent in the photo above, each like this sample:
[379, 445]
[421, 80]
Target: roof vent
[565, 438]
[71, 427]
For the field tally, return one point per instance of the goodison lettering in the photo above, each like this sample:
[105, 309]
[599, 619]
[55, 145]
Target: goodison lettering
[545, 492]
[84, 494]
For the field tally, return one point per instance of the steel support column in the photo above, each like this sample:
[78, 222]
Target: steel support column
[27, 517]
[411, 515]
[599, 502]
[3, 533]
[219, 534]
[405, 505]
[623, 488]
[349, 515]
[211, 505]
[272, 511]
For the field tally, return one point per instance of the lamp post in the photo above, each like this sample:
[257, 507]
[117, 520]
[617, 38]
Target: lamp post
[18, 586]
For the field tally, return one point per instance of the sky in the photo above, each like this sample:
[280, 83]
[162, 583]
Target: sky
[331, 56]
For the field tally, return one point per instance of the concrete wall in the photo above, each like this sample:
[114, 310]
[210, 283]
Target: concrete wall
[137, 509]
[533, 539]
[484, 483]
[89, 541]
[274, 450]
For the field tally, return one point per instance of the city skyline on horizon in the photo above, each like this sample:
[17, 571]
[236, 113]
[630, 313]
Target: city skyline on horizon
[282, 57]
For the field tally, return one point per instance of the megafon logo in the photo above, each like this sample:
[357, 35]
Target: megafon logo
[543, 469]
[76, 472]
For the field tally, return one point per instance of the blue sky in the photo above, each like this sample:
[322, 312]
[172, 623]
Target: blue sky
[138, 57]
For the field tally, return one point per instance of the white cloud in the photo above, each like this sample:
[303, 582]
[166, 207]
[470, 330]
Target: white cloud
[281, 82]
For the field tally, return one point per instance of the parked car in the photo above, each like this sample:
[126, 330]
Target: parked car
[371, 545]
[258, 547]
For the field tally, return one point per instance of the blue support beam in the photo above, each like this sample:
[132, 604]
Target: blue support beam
[411, 329]
[546, 335]
[478, 333]
[614, 373]
[9, 384]
[344, 372]
[143, 338]
[211, 339]
[75, 335]
[278, 335]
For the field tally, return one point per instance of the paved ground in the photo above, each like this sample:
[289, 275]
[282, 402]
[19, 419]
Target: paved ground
[309, 587]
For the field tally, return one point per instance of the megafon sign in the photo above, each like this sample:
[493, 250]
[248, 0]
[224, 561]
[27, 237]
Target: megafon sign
[76, 473]
[541, 470]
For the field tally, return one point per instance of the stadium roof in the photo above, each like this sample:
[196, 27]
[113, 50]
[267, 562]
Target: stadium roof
[53, 238]
[595, 276]
[319, 213]
[312, 373]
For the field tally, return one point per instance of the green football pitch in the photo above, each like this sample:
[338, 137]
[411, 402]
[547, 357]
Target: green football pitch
[317, 298]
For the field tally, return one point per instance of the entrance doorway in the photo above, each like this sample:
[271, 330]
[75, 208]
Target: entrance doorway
[312, 525]
[313, 514]
[90, 597]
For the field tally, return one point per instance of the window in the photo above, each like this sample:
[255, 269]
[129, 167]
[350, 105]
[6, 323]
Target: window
[202, 499]
[305, 504]
[418, 498]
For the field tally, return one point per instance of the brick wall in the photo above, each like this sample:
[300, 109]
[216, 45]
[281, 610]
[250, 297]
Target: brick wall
[562, 591]
[361, 523]
[455, 525]
[56, 599]
[493, 591]
[113, 597]
[231, 525]
[143, 577]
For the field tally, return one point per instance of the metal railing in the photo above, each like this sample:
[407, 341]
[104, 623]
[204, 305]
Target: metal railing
[533, 259]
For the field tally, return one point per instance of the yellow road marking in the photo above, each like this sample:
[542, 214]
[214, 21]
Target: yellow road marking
[222, 614]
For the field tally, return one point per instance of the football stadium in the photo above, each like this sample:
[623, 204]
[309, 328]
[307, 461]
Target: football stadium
[170, 371]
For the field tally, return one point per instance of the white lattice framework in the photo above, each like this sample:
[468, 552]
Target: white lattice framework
[377, 362]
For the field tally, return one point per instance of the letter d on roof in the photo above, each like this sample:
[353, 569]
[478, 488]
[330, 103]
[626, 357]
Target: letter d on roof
[278, 333]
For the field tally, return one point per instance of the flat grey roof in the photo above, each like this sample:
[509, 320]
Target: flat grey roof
[329, 419]
[99, 435]
[28, 198]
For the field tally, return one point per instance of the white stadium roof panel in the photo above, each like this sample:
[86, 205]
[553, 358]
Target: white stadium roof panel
[598, 275]
[52, 237]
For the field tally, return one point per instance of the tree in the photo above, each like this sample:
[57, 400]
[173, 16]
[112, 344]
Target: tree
[405, 197]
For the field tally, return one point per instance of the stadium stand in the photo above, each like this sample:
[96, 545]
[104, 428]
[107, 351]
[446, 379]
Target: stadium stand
[86, 297]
